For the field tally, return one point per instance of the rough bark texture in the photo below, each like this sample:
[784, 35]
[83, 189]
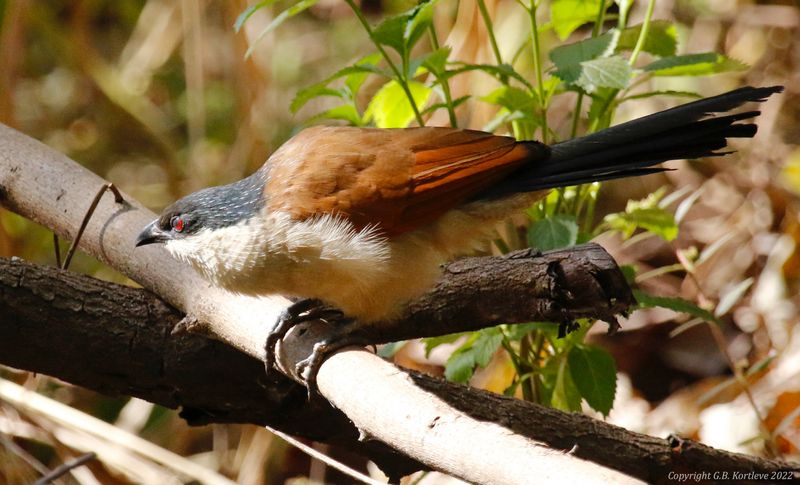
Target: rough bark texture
[116, 340]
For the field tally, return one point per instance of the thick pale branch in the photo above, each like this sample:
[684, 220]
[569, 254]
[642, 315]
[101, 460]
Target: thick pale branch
[51, 189]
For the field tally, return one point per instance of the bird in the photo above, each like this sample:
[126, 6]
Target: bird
[355, 222]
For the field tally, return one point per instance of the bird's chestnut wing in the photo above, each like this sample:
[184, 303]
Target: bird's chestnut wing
[395, 180]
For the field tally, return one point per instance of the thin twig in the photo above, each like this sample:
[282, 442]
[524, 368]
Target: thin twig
[57, 249]
[117, 198]
[324, 458]
[65, 468]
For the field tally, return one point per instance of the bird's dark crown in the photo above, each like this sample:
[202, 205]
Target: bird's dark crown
[216, 207]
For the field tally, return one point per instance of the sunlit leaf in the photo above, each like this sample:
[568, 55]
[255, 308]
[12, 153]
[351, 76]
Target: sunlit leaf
[390, 107]
[433, 342]
[645, 214]
[568, 15]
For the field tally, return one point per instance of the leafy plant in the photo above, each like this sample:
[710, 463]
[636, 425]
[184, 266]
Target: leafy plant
[601, 69]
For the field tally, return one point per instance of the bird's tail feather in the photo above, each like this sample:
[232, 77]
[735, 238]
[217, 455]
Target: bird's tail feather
[633, 148]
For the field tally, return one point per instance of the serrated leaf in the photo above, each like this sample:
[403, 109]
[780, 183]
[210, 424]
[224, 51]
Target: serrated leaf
[248, 12]
[487, 343]
[731, 297]
[647, 300]
[662, 38]
[554, 232]
[694, 65]
[519, 330]
[402, 31]
[460, 366]
[295, 9]
[595, 375]
[390, 108]
[605, 72]
[456, 103]
[568, 15]
[568, 58]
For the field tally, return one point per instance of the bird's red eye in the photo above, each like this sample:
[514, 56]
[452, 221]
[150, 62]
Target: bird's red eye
[177, 223]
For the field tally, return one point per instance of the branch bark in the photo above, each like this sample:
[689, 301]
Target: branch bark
[52, 190]
[117, 340]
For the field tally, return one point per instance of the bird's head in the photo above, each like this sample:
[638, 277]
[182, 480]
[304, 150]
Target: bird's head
[202, 227]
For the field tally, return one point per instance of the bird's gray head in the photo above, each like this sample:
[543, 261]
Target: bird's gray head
[206, 211]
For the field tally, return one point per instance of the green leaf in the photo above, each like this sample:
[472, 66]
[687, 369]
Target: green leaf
[487, 343]
[645, 214]
[456, 103]
[605, 72]
[568, 58]
[402, 31]
[565, 393]
[295, 9]
[661, 40]
[387, 351]
[390, 107]
[478, 350]
[568, 15]
[354, 76]
[554, 232]
[673, 303]
[433, 342]
[364, 67]
[694, 65]
[665, 92]
[511, 98]
[346, 112]
[314, 91]
[248, 12]
[460, 366]
[595, 375]
[498, 71]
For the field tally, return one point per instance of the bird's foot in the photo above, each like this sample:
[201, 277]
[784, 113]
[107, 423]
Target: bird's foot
[298, 312]
[344, 335]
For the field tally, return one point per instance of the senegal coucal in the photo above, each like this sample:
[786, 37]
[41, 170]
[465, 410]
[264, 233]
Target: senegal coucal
[362, 219]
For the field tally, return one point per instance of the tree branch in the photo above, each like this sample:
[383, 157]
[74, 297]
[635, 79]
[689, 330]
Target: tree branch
[383, 403]
[131, 351]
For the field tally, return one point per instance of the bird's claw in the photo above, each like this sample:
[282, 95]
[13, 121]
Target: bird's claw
[297, 313]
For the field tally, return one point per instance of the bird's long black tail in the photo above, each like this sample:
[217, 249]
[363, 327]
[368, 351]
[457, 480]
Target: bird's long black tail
[632, 148]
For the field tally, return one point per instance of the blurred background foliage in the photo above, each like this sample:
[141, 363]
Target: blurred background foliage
[161, 98]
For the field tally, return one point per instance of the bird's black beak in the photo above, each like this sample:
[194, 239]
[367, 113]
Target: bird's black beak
[151, 234]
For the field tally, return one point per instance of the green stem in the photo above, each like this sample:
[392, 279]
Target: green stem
[445, 83]
[490, 29]
[401, 78]
[642, 33]
[537, 66]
